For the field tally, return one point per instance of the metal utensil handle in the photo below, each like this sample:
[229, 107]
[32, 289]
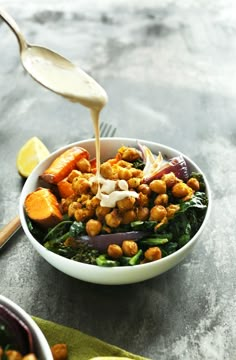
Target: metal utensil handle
[8, 230]
[14, 27]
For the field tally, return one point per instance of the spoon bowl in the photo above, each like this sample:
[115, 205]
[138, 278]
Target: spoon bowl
[57, 73]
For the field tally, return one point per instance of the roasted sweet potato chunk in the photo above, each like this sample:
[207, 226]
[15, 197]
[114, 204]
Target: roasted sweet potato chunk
[64, 164]
[65, 188]
[42, 207]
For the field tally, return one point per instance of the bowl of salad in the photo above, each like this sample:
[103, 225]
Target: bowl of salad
[20, 336]
[130, 219]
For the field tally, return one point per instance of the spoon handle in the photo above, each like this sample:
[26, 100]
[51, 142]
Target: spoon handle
[8, 230]
[14, 27]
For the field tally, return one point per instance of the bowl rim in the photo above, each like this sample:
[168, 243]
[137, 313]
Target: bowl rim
[37, 333]
[118, 269]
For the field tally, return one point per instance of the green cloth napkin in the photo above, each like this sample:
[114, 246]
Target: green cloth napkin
[80, 345]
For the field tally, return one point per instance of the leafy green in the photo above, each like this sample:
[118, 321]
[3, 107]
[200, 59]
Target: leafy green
[168, 248]
[134, 260]
[103, 260]
[138, 164]
[143, 225]
[61, 249]
[57, 236]
[35, 230]
[58, 231]
[188, 219]
[77, 228]
[124, 260]
[86, 255]
[198, 200]
[200, 179]
[5, 338]
[169, 237]
[154, 241]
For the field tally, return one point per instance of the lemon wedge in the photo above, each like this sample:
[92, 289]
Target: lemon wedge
[30, 155]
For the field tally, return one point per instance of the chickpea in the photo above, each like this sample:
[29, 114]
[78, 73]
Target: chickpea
[189, 196]
[124, 164]
[114, 251]
[129, 154]
[158, 186]
[137, 173]
[79, 215]
[106, 170]
[13, 355]
[153, 253]
[84, 198]
[193, 183]
[93, 227]
[181, 190]
[84, 165]
[128, 216]
[73, 207]
[115, 170]
[29, 357]
[106, 229]
[124, 174]
[143, 200]
[142, 213]
[87, 176]
[88, 204]
[157, 213]
[134, 182]
[171, 210]
[71, 242]
[129, 247]
[80, 185]
[121, 150]
[161, 199]
[95, 202]
[59, 352]
[163, 221]
[145, 189]
[64, 206]
[73, 174]
[83, 214]
[102, 211]
[170, 179]
[113, 219]
[94, 188]
[126, 203]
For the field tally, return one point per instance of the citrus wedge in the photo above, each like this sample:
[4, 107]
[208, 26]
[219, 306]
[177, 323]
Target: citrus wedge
[30, 155]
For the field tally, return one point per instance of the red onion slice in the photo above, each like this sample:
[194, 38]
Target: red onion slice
[18, 330]
[177, 165]
[101, 242]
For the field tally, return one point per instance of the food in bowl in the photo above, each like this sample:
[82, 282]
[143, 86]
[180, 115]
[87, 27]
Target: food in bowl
[141, 207]
[20, 336]
[15, 336]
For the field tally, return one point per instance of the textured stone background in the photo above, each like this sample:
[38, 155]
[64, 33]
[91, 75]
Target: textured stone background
[169, 70]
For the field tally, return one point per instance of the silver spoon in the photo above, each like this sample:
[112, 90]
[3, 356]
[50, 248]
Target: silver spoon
[59, 75]
[56, 72]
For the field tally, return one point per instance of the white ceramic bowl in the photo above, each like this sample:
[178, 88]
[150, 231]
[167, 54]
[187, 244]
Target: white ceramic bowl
[114, 275]
[41, 345]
